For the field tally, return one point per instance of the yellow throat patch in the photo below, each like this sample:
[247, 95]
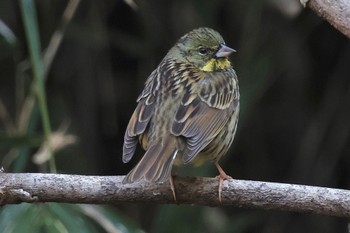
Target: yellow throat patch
[216, 65]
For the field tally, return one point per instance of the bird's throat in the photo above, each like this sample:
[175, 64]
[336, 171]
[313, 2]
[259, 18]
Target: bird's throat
[216, 65]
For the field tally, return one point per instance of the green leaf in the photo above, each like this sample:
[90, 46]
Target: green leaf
[32, 33]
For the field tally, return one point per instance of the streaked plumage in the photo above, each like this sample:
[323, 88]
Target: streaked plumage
[188, 110]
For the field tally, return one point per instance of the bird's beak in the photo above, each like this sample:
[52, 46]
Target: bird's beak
[224, 51]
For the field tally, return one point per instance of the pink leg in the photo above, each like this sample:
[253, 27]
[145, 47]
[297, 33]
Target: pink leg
[222, 176]
[172, 187]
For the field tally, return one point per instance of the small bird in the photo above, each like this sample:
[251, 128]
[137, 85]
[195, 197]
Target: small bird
[188, 110]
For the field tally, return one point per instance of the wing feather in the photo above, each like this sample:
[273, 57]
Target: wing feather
[205, 110]
[141, 117]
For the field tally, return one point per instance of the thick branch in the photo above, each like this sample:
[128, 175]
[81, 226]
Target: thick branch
[36, 187]
[336, 12]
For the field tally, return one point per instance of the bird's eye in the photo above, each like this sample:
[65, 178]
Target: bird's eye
[202, 51]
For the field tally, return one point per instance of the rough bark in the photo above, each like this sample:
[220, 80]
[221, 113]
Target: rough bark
[36, 187]
[336, 12]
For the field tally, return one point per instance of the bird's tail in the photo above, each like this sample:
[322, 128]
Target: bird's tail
[156, 163]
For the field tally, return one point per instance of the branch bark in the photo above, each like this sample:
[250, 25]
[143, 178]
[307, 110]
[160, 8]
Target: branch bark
[336, 12]
[37, 187]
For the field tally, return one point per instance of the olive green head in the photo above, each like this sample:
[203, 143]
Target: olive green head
[204, 48]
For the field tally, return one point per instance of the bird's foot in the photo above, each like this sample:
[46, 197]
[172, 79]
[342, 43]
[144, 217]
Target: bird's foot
[222, 176]
[172, 187]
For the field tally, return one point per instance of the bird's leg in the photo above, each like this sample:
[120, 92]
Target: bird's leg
[172, 187]
[222, 176]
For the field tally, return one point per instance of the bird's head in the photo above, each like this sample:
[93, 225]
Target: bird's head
[204, 48]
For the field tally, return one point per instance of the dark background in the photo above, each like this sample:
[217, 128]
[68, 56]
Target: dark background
[293, 70]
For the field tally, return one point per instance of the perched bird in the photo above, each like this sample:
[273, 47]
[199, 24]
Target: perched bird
[188, 110]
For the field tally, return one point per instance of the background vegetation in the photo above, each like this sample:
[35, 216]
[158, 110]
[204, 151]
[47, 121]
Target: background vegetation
[294, 78]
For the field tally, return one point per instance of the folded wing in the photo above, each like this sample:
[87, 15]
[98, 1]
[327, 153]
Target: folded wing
[205, 110]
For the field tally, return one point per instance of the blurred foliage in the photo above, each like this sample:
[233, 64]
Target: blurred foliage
[63, 218]
[295, 97]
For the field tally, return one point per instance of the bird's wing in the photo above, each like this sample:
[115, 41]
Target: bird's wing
[205, 110]
[141, 116]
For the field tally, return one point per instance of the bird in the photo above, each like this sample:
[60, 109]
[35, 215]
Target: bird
[187, 112]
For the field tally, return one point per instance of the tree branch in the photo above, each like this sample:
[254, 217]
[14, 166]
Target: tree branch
[36, 187]
[336, 12]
